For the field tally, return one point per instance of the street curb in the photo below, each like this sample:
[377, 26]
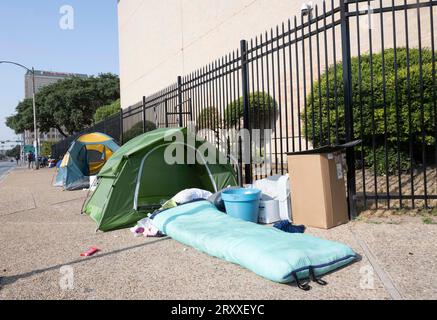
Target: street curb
[6, 174]
[385, 278]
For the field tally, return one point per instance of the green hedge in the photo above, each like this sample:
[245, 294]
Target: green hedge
[137, 129]
[376, 160]
[263, 109]
[366, 109]
[46, 148]
[209, 118]
[105, 112]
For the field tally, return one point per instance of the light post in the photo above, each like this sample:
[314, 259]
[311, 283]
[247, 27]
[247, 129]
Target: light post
[35, 129]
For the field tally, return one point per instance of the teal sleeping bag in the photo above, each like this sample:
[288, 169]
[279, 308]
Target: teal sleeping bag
[271, 253]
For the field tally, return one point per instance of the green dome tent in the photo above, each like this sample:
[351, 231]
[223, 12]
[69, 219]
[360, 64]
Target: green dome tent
[137, 180]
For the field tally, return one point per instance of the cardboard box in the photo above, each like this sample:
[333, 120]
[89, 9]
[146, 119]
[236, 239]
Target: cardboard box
[318, 192]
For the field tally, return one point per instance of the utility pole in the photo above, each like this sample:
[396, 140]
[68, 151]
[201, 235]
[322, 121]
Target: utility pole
[35, 128]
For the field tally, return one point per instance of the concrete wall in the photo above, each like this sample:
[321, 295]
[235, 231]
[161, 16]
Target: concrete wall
[161, 39]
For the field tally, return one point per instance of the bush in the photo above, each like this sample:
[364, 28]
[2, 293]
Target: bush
[370, 105]
[208, 118]
[377, 161]
[46, 148]
[106, 111]
[137, 130]
[262, 111]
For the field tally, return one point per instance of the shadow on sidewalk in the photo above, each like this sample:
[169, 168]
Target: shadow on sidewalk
[8, 280]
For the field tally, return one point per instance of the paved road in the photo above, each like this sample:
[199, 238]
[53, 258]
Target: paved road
[5, 167]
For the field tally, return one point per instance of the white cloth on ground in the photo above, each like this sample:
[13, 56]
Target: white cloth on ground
[146, 228]
[189, 195]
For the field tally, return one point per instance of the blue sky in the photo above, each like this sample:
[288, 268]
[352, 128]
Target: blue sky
[31, 35]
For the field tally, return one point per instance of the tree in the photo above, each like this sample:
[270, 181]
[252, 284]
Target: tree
[46, 148]
[67, 105]
[106, 111]
[23, 119]
[14, 152]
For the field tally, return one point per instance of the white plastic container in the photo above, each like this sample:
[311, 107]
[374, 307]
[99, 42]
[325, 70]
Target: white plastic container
[277, 189]
[284, 198]
[268, 210]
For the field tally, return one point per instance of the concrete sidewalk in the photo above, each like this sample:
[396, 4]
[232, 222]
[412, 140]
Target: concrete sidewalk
[42, 235]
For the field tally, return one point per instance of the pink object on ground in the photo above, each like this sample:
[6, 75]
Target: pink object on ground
[140, 230]
[90, 252]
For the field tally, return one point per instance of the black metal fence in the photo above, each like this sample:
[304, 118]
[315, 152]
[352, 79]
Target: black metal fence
[111, 126]
[346, 70]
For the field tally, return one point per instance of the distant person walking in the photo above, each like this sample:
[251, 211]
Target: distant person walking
[30, 160]
[17, 158]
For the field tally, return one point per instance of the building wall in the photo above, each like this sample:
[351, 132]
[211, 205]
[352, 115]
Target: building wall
[160, 40]
[52, 135]
[44, 78]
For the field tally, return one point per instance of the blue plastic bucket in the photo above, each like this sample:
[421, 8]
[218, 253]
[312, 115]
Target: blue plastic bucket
[242, 203]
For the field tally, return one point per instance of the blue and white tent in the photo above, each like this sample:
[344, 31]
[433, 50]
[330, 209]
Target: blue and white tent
[86, 156]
